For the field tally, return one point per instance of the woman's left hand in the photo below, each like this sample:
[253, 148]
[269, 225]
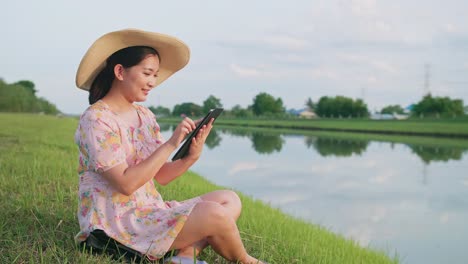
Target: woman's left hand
[198, 141]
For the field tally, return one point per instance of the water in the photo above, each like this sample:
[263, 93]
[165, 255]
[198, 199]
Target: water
[401, 198]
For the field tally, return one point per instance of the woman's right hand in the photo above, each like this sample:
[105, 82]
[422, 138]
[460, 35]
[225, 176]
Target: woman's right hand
[183, 129]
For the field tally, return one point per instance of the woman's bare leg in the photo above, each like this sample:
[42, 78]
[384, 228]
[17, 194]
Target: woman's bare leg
[230, 201]
[211, 221]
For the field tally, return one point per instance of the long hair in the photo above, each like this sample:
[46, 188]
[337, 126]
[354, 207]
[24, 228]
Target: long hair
[128, 57]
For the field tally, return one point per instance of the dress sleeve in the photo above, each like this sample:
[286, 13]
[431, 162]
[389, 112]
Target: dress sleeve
[153, 125]
[101, 143]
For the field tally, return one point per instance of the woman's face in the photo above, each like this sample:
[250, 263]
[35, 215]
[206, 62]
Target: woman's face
[140, 79]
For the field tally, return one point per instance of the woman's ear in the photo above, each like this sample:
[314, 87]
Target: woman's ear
[118, 72]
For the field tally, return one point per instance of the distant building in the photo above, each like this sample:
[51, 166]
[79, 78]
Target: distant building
[394, 116]
[307, 114]
[303, 113]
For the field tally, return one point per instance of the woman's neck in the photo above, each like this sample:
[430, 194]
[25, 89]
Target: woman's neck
[117, 102]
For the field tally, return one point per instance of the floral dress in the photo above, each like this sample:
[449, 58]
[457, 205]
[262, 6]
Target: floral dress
[142, 221]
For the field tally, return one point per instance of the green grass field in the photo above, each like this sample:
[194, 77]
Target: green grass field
[38, 194]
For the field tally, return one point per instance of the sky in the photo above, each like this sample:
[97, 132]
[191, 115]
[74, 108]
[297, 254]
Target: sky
[385, 52]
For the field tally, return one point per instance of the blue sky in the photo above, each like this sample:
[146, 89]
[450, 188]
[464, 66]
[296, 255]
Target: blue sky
[376, 50]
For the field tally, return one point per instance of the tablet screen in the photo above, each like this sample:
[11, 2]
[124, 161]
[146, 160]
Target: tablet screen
[183, 150]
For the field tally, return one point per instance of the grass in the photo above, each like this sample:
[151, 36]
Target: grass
[419, 127]
[38, 194]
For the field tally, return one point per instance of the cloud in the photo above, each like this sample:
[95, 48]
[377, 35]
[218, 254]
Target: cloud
[378, 214]
[444, 218]
[242, 167]
[364, 7]
[324, 73]
[285, 199]
[245, 72]
[465, 182]
[285, 42]
[450, 28]
[361, 60]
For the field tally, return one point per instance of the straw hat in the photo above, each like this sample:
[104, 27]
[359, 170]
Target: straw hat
[174, 54]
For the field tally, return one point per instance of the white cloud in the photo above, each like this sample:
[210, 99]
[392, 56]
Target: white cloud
[384, 66]
[366, 61]
[324, 73]
[378, 214]
[245, 71]
[242, 167]
[289, 57]
[285, 199]
[465, 182]
[323, 169]
[364, 7]
[381, 178]
[444, 218]
[450, 28]
[286, 42]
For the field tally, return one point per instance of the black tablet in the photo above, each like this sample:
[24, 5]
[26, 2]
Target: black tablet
[183, 150]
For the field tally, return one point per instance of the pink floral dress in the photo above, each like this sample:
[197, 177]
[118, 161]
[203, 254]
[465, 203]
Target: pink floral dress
[142, 221]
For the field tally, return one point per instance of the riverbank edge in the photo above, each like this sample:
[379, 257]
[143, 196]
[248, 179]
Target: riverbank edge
[343, 126]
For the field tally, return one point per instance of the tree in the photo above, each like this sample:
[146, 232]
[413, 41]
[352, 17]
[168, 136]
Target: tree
[210, 103]
[265, 104]
[438, 106]
[160, 111]
[437, 153]
[340, 147]
[28, 85]
[390, 109]
[187, 109]
[265, 143]
[238, 111]
[310, 104]
[213, 140]
[341, 106]
[19, 97]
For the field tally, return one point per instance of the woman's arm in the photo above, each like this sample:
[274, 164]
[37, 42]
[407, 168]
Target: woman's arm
[172, 170]
[129, 179]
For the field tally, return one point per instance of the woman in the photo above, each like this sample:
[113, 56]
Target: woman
[122, 151]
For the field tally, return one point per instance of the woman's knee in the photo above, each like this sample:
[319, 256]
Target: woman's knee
[235, 202]
[211, 214]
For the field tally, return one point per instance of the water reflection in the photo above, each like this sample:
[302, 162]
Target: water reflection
[213, 140]
[268, 142]
[338, 147]
[401, 197]
[428, 154]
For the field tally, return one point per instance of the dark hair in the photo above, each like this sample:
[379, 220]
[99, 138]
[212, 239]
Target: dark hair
[128, 57]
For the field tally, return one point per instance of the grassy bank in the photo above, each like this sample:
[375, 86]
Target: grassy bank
[417, 127]
[38, 180]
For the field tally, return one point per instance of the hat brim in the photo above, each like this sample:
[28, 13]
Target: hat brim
[174, 54]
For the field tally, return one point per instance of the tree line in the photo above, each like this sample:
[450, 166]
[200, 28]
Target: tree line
[21, 97]
[266, 105]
